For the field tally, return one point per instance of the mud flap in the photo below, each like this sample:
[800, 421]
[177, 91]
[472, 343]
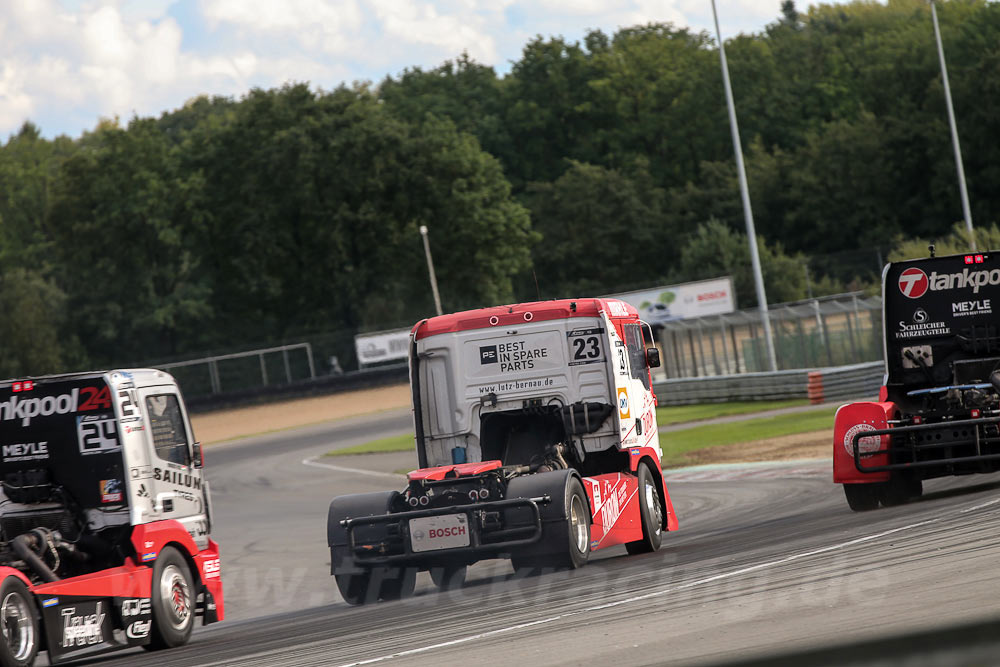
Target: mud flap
[555, 529]
[351, 507]
[854, 419]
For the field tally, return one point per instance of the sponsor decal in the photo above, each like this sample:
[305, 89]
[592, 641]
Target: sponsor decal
[516, 385]
[866, 444]
[594, 544]
[175, 477]
[136, 607]
[142, 492]
[914, 283]
[111, 491]
[597, 495]
[27, 409]
[585, 346]
[134, 428]
[26, 451]
[26, 385]
[623, 408]
[51, 602]
[617, 309]
[515, 355]
[612, 508]
[148, 544]
[146, 557]
[213, 566]
[967, 308]
[138, 629]
[921, 327]
[435, 533]
[487, 354]
[141, 472]
[97, 434]
[82, 630]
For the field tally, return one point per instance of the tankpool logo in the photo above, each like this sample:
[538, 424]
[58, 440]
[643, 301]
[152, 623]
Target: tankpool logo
[913, 283]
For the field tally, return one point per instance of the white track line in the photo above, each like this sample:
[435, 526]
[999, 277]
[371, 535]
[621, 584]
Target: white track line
[637, 598]
[600, 607]
[311, 461]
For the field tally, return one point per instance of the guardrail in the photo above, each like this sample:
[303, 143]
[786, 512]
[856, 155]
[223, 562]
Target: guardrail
[818, 385]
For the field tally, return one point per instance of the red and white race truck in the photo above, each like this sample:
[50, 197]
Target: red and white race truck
[938, 413]
[537, 441]
[104, 517]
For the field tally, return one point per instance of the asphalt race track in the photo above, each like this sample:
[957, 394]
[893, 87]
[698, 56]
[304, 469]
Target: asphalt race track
[769, 561]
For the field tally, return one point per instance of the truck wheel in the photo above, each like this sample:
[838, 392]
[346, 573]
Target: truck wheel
[19, 644]
[651, 512]
[398, 583]
[578, 520]
[863, 497]
[173, 601]
[376, 584]
[449, 578]
[354, 587]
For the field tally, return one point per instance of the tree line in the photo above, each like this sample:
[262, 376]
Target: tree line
[589, 168]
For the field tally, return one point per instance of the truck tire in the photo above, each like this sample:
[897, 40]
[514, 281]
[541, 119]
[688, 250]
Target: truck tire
[863, 497]
[19, 636]
[374, 584]
[449, 578]
[578, 518]
[398, 583]
[173, 601]
[565, 539]
[651, 512]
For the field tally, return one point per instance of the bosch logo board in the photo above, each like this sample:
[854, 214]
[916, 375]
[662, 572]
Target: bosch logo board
[913, 283]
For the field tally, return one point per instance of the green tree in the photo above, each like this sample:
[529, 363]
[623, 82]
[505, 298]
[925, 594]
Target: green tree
[34, 342]
[716, 250]
[122, 225]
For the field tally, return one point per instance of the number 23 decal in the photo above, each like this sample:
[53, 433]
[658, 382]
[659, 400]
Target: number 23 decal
[586, 348]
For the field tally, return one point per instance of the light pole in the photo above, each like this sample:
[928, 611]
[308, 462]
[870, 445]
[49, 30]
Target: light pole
[430, 270]
[745, 194]
[966, 210]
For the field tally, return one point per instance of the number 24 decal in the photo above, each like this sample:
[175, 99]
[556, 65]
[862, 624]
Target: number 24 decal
[129, 406]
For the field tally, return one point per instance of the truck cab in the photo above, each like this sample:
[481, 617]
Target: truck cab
[535, 431]
[105, 516]
[938, 413]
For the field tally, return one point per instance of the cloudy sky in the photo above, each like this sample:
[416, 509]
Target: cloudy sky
[66, 63]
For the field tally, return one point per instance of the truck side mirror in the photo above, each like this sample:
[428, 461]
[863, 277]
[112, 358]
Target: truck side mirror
[652, 357]
[198, 457]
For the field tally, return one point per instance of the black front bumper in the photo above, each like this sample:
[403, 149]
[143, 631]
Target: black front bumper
[385, 539]
[910, 455]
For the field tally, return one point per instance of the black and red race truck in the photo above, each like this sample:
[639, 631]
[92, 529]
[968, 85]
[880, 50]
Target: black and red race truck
[537, 441]
[104, 517]
[938, 413]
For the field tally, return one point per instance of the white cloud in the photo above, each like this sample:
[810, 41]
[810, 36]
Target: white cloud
[65, 63]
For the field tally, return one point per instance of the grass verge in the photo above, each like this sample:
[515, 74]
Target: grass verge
[679, 414]
[678, 443]
[397, 443]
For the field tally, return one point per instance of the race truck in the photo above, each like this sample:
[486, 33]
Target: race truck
[938, 413]
[536, 439]
[104, 517]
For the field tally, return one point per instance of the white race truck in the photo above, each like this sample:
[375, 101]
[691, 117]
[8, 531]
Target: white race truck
[537, 441]
[104, 517]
